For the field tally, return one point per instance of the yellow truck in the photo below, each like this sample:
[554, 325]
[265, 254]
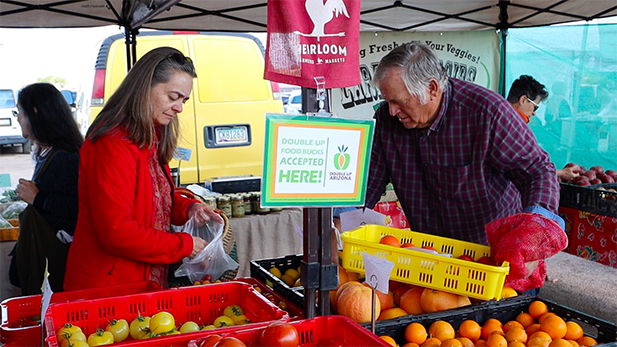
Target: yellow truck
[222, 126]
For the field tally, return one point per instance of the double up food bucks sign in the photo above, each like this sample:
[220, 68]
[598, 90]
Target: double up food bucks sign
[315, 161]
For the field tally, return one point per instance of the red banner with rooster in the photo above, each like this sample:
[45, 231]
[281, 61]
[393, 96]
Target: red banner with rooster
[312, 38]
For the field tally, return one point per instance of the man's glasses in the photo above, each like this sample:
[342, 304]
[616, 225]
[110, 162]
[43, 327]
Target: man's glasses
[15, 113]
[535, 106]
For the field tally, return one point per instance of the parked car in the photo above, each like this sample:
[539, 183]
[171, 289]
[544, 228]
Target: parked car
[79, 107]
[10, 130]
[294, 102]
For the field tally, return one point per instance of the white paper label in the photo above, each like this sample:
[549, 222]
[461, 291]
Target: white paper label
[377, 272]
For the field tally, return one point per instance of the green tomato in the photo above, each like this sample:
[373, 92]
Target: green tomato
[189, 327]
[119, 329]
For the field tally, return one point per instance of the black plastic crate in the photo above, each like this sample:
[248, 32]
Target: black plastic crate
[596, 199]
[260, 270]
[603, 331]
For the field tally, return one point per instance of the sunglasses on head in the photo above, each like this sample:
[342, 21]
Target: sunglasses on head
[179, 58]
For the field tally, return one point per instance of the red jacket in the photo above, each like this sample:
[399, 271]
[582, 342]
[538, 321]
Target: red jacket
[114, 240]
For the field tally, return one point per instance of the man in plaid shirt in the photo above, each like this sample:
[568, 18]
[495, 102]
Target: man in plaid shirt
[459, 155]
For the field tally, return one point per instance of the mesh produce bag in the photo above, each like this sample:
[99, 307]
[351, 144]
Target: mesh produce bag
[522, 238]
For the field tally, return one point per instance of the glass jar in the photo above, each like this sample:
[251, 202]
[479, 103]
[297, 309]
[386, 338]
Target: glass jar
[224, 204]
[210, 201]
[237, 206]
[257, 204]
[248, 204]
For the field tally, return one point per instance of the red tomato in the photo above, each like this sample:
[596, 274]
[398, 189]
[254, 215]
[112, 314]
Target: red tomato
[466, 257]
[407, 245]
[331, 343]
[280, 334]
[229, 342]
[210, 341]
[487, 261]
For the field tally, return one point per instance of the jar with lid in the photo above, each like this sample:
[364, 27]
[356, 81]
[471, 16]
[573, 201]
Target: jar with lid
[224, 204]
[237, 206]
[210, 201]
[257, 204]
[248, 204]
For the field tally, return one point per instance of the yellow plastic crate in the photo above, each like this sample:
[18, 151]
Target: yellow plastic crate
[428, 270]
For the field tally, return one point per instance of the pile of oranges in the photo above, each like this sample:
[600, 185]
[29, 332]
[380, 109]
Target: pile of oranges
[535, 328]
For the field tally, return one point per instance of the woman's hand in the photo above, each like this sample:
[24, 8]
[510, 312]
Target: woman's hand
[198, 245]
[26, 190]
[203, 213]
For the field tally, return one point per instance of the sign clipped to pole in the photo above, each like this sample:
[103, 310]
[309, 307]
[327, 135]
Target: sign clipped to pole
[315, 161]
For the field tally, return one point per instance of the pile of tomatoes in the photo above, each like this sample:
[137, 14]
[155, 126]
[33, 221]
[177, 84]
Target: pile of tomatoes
[161, 324]
[277, 334]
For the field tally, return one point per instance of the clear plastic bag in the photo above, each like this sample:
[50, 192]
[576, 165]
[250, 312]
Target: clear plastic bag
[14, 210]
[212, 260]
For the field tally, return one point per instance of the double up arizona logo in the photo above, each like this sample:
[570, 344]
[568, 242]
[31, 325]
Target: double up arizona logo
[341, 159]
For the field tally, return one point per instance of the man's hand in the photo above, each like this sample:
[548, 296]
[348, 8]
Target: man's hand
[27, 190]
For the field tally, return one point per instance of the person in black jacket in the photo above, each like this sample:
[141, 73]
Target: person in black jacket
[47, 225]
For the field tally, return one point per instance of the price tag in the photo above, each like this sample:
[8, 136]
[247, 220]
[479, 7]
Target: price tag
[354, 219]
[47, 293]
[377, 272]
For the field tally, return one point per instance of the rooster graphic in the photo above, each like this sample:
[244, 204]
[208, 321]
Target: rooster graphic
[322, 13]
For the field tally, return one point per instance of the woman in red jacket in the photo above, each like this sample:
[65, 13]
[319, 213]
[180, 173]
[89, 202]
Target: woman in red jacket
[127, 202]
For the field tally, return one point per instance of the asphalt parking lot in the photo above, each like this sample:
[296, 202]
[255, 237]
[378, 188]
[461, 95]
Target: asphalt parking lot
[17, 164]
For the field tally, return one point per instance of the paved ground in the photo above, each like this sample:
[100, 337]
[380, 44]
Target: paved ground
[15, 163]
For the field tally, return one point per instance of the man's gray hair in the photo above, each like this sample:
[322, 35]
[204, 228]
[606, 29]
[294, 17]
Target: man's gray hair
[419, 64]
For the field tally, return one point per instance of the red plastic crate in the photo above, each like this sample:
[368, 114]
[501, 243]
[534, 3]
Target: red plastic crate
[21, 308]
[295, 313]
[201, 304]
[313, 331]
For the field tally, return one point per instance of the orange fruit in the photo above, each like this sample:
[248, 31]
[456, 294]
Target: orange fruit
[554, 326]
[537, 308]
[441, 330]
[560, 343]
[587, 341]
[386, 300]
[481, 343]
[574, 331]
[398, 292]
[538, 342]
[410, 300]
[516, 334]
[496, 340]
[340, 291]
[470, 329]
[392, 313]
[541, 335]
[352, 276]
[355, 302]
[451, 343]
[516, 344]
[433, 300]
[489, 326]
[465, 342]
[288, 280]
[512, 324]
[532, 328]
[390, 240]
[508, 292]
[525, 319]
[389, 340]
[431, 342]
[544, 316]
[573, 343]
[342, 275]
[410, 344]
[416, 333]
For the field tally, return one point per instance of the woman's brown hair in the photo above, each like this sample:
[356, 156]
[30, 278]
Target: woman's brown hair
[129, 108]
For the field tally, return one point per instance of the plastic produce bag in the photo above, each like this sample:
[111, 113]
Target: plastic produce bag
[14, 210]
[212, 260]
